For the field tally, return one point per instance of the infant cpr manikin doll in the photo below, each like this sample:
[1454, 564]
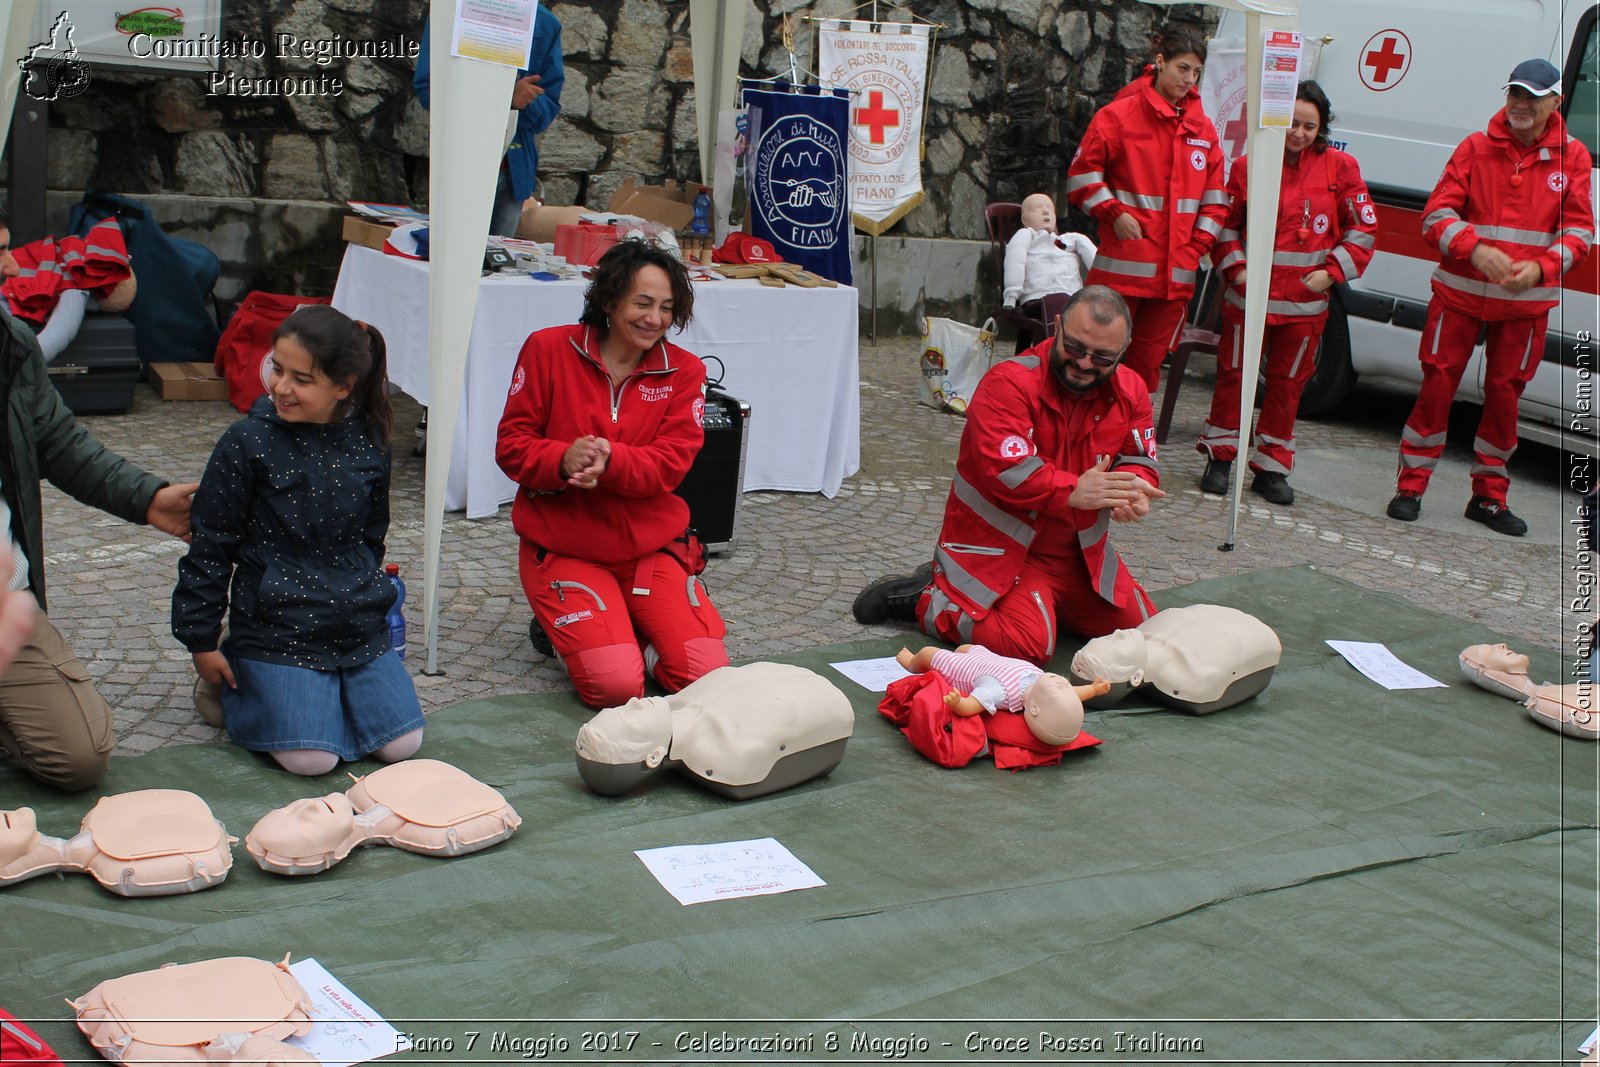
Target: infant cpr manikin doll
[986, 682]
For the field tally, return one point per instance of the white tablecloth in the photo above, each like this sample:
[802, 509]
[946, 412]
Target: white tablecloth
[791, 353]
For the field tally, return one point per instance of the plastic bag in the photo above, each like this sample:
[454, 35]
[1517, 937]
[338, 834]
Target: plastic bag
[955, 357]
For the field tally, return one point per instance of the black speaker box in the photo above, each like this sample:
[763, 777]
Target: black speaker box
[95, 373]
[713, 484]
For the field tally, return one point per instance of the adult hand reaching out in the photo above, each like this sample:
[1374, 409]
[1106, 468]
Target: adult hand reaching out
[169, 509]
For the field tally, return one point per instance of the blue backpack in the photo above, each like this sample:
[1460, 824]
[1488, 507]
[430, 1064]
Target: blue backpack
[172, 315]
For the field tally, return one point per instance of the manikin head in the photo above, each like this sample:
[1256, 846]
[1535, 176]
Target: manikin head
[622, 746]
[1053, 709]
[1039, 212]
[313, 826]
[1496, 658]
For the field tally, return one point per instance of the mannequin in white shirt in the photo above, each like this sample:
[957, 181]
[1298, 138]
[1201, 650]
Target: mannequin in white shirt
[1040, 261]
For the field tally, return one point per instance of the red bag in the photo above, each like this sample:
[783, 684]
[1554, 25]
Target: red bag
[248, 339]
[19, 1044]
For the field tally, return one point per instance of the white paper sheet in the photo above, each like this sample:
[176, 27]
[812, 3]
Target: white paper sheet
[1375, 661]
[1280, 78]
[497, 31]
[347, 1030]
[873, 674]
[695, 874]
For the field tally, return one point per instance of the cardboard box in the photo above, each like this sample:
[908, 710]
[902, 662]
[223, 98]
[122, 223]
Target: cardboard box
[366, 232]
[188, 381]
[672, 205]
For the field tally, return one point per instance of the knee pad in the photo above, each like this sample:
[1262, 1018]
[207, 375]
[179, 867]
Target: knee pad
[607, 676]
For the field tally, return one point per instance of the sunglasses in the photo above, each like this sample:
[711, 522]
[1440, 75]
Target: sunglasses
[1076, 353]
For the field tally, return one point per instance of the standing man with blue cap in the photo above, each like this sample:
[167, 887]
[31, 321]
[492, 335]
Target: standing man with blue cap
[536, 101]
[1511, 214]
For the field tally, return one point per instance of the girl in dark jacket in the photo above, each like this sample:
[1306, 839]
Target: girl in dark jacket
[293, 509]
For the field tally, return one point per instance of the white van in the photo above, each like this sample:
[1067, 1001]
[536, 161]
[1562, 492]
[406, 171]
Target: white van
[1409, 80]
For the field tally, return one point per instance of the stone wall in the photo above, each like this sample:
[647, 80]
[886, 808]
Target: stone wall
[262, 178]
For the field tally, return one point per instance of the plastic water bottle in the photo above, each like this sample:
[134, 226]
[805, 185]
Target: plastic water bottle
[702, 214]
[397, 618]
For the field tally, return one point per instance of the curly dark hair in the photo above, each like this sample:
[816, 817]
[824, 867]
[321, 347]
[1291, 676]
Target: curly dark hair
[613, 276]
[1312, 93]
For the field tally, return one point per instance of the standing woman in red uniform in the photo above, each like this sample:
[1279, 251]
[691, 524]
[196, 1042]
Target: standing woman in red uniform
[1327, 229]
[602, 421]
[1150, 171]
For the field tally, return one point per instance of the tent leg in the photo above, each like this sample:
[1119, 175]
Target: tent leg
[873, 335]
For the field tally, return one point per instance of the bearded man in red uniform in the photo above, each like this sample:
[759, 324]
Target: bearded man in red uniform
[1511, 214]
[1059, 443]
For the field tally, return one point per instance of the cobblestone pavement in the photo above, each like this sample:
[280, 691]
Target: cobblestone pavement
[798, 560]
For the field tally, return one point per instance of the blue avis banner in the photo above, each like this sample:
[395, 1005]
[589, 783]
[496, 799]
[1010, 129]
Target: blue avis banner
[799, 179]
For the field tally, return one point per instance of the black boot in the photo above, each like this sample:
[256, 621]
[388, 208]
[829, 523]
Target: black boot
[1215, 479]
[894, 597]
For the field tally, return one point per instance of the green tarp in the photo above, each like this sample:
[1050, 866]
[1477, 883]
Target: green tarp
[1328, 871]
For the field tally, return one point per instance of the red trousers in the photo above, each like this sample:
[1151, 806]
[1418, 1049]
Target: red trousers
[1048, 596]
[1290, 356]
[1513, 350]
[1157, 324]
[601, 616]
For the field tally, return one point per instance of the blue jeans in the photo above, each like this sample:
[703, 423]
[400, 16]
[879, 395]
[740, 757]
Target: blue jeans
[507, 208]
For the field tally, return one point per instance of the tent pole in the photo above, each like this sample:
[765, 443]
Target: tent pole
[873, 336]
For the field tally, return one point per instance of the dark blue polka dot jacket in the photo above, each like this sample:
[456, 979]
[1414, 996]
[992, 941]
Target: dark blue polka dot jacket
[296, 515]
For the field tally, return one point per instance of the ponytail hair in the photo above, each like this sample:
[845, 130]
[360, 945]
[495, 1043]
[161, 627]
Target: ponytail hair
[1179, 40]
[343, 348]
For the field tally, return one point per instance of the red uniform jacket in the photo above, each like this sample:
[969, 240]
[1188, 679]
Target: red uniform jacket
[1326, 221]
[1025, 443]
[1145, 158]
[559, 392]
[1530, 201]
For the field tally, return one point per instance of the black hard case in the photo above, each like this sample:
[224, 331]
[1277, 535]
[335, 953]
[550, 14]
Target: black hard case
[713, 485]
[95, 374]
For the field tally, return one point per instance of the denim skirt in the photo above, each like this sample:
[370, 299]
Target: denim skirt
[351, 713]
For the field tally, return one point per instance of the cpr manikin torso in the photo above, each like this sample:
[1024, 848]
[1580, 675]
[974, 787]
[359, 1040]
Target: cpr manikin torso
[1198, 659]
[420, 805]
[148, 843]
[230, 1010]
[1568, 708]
[1040, 261]
[739, 731]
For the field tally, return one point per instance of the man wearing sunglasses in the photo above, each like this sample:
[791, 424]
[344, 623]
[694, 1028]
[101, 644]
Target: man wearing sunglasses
[1059, 443]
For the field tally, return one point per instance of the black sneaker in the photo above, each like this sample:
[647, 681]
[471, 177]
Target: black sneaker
[1215, 479]
[1496, 516]
[1273, 486]
[1405, 506]
[894, 597]
[539, 639]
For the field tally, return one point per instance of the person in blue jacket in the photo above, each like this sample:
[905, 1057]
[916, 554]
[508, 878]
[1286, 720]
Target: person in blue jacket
[537, 101]
[288, 542]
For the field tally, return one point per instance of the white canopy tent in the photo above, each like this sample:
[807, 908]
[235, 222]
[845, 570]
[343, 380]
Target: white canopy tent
[16, 32]
[1265, 148]
[466, 139]
[716, 31]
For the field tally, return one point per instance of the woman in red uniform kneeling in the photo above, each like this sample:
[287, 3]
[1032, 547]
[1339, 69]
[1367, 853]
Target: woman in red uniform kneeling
[602, 421]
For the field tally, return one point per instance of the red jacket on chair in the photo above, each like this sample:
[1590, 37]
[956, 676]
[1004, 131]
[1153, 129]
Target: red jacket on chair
[1162, 165]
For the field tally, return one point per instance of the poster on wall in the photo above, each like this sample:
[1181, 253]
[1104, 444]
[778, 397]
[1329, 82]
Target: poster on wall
[799, 170]
[885, 68]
